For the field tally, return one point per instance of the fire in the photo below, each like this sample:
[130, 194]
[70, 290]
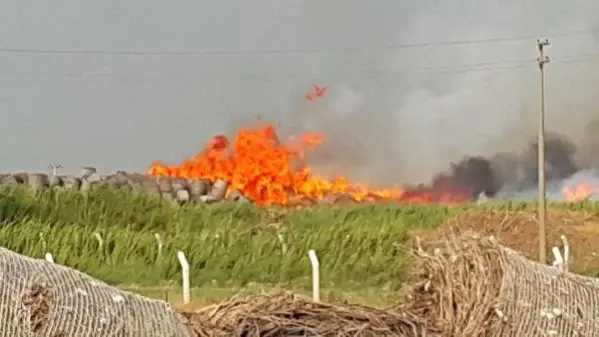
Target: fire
[268, 171]
[315, 93]
[579, 192]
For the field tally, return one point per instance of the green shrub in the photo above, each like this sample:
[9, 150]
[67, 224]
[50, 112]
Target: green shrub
[224, 243]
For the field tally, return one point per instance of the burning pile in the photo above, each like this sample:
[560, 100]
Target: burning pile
[266, 170]
[256, 166]
[260, 166]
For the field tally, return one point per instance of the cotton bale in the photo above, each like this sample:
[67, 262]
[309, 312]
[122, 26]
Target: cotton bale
[55, 181]
[21, 177]
[165, 185]
[219, 189]
[71, 183]
[87, 171]
[37, 181]
[198, 187]
[10, 181]
[183, 196]
[207, 199]
[237, 196]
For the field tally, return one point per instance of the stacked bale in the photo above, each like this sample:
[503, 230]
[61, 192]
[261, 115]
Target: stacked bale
[176, 190]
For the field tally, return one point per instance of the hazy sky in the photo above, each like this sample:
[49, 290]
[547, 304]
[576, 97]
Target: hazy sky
[394, 114]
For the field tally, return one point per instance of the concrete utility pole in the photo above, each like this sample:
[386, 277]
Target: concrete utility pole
[542, 60]
[55, 169]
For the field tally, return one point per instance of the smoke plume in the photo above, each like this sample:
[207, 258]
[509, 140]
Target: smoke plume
[399, 116]
[505, 175]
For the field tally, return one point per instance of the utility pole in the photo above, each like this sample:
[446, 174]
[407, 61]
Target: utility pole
[55, 169]
[542, 60]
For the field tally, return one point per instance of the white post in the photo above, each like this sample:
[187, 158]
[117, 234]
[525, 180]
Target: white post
[49, 258]
[315, 275]
[159, 242]
[283, 244]
[185, 275]
[566, 251]
[100, 240]
[559, 261]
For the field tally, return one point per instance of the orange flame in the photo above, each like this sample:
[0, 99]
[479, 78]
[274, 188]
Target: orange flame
[316, 92]
[267, 171]
[579, 192]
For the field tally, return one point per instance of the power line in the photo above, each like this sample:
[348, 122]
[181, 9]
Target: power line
[41, 51]
[375, 72]
[456, 69]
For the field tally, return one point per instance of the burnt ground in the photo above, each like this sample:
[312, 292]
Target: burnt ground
[520, 230]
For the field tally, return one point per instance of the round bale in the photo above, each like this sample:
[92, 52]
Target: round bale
[9, 180]
[207, 199]
[86, 171]
[86, 185]
[21, 177]
[71, 183]
[38, 181]
[237, 196]
[55, 181]
[183, 196]
[149, 188]
[179, 184]
[118, 181]
[165, 185]
[219, 189]
[198, 187]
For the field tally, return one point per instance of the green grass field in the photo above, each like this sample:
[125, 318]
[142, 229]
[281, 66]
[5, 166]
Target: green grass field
[229, 247]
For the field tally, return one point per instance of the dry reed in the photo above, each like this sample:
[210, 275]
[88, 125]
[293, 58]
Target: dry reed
[467, 287]
[291, 315]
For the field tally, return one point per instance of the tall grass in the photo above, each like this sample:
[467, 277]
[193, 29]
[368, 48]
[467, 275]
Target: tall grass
[225, 244]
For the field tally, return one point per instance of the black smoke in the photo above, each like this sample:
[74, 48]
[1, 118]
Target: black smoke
[476, 175]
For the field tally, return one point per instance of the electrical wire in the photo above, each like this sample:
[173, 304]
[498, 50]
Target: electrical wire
[404, 71]
[283, 51]
[465, 68]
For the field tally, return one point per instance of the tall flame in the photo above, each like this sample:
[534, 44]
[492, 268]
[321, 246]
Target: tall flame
[268, 171]
[579, 192]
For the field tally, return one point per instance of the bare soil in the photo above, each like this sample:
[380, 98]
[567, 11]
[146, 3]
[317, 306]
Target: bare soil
[519, 230]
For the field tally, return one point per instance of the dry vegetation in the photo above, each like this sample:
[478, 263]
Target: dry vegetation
[291, 315]
[518, 229]
[461, 291]
[468, 287]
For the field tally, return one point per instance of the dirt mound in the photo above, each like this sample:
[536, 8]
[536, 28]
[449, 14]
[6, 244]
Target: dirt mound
[292, 315]
[519, 230]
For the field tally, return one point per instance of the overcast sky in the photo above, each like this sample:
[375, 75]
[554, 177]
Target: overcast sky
[394, 114]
